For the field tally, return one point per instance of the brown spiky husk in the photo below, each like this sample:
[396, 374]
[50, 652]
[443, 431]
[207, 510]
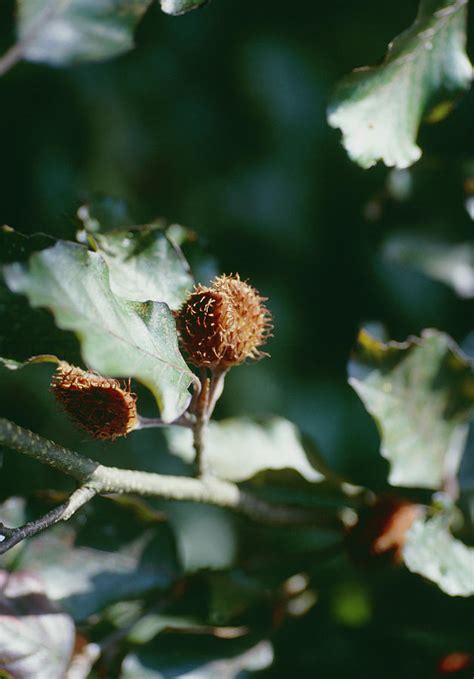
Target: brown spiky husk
[101, 406]
[222, 325]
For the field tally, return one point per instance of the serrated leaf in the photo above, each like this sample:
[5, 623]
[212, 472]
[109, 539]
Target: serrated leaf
[59, 33]
[118, 337]
[176, 7]
[379, 109]
[238, 449]
[445, 262]
[145, 265]
[421, 394]
[432, 551]
[36, 637]
[164, 662]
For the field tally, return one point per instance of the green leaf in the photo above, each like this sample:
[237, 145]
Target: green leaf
[205, 536]
[62, 32]
[27, 332]
[85, 579]
[421, 394]
[37, 638]
[16, 247]
[198, 659]
[432, 551]
[445, 262]
[118, 337]
[176, 7]
[144, 264]
[379, 109]
[238, 449]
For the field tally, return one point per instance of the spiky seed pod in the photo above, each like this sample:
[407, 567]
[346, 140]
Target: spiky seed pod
[222, 325]
[381, 531]
[102, 406]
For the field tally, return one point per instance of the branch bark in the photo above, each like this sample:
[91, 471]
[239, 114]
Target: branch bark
[97, 479]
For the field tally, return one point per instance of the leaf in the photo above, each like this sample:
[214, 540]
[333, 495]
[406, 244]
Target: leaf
[118, 337]
[84, 579]
[27, 332]
[59, 33]
[205, 536]
[16, 247]
[144, 264]
[379, 109]
[450, 264]
[432, 551]
[238, 449]
[421, 394]
[192, 662]
[36, 637]
[176, 7]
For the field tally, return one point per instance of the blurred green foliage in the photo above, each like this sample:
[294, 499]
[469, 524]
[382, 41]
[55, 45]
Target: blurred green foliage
[217, 120]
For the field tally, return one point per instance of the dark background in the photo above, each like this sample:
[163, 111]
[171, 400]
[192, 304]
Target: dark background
[217, 121]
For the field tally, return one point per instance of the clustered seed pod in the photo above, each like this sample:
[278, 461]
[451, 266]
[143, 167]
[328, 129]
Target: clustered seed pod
[102, 406]
[381, 531]
[222, 325]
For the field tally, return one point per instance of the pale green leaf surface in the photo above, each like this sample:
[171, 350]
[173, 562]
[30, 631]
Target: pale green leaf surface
[432, 551]
[450, 264]
[238, 449]
[421, 394]
[66, 31]
[118, 337]
[176, 7]
[145, 265]
[379, 109]
[190, 664]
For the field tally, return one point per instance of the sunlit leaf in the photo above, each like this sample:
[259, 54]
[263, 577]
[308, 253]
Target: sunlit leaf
[432, 551]
[450, 264]
[238, 449]
[36, 637]
[379, 109]
[118, 337]
[58, 32]
[145, 264]
[421, 394]
[176, 7]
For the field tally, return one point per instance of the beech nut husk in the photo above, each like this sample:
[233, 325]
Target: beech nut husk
[103, 407]
[223, 325]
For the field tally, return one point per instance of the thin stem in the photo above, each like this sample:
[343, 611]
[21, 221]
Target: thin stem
[47, 452]
[184, 420]
[200, 424]
[15, 54]
[9, 537]
[215, 390]
[99, 479]
[11, 58]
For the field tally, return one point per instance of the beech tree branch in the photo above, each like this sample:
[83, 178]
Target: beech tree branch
[97, 479]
